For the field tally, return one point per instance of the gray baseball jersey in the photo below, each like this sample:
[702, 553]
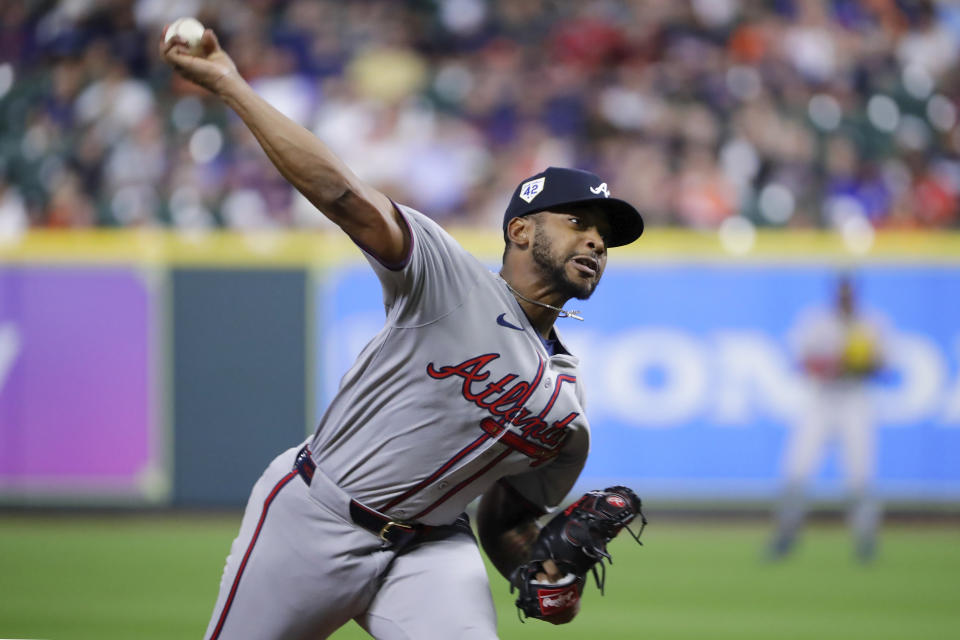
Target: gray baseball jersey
[456, 392]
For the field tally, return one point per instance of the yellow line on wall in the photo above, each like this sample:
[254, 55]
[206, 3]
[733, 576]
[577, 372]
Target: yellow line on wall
[293, 249]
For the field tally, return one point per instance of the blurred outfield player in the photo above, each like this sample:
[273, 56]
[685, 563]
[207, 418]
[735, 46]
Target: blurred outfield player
[840, 349]
[466, 391]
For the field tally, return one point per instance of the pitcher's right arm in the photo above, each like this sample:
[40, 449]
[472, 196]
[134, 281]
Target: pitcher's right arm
[365, 214]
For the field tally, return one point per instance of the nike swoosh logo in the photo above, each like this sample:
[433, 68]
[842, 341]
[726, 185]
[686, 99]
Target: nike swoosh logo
[503, 322]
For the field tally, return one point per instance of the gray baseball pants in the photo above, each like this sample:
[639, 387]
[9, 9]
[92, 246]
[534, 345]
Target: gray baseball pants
[300, 568]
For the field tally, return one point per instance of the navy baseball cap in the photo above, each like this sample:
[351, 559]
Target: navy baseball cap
[558, 188]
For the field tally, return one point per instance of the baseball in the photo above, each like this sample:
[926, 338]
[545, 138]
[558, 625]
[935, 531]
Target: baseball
[190, 30]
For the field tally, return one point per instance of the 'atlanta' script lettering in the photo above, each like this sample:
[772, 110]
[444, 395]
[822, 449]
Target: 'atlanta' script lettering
[505, 400]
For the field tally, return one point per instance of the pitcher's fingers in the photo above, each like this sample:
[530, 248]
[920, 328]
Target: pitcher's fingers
[178, 54]
[552, 570]
[165, 45]
[209, 42]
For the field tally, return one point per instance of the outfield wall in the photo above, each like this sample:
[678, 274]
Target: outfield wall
[141, 367]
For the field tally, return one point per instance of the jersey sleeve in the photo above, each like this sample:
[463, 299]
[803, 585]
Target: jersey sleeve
[547, 486]
[434, 278]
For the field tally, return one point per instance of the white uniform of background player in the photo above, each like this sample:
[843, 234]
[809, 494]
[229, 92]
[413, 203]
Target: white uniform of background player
[839, 348]
[466, 391]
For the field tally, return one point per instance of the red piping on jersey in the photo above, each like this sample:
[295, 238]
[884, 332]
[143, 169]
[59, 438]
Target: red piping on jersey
[512, 440]
[246, 556]
[534, 428]
[471, 370]
[539, 454]
[541, 367]
[556, 392]
[436, 474]
[464, 483]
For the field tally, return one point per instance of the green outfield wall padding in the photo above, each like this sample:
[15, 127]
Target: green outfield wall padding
[237, 376]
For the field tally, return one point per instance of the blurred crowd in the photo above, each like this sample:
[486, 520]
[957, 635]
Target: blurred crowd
[786, 113]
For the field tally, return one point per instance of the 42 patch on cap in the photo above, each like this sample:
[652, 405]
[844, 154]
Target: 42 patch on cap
[531, 189]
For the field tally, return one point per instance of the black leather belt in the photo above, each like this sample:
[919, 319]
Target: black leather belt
[399, 535]
[305, 465]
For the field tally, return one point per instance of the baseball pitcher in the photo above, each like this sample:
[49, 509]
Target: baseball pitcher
[467, 391]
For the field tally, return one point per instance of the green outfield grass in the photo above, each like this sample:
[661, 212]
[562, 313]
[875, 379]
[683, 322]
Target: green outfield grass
[156, 577]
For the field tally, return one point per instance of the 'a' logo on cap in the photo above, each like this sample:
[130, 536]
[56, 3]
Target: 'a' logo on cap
[532, 188]
[601, 189]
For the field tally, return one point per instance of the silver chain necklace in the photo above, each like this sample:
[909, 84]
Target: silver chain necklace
[561, 313]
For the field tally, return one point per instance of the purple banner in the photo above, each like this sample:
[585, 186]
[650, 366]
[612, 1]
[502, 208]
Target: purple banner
[76, 411]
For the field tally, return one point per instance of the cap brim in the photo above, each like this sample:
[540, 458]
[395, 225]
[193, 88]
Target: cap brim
[626, 223]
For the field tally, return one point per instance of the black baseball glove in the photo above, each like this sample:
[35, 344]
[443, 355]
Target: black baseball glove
[576, 540]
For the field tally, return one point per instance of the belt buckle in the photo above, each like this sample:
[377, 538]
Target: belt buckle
[385, 531]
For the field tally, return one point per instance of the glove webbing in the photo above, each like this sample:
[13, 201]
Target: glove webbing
[601, 554]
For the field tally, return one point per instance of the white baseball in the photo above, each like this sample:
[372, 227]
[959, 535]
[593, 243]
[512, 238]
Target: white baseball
[190, 30]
